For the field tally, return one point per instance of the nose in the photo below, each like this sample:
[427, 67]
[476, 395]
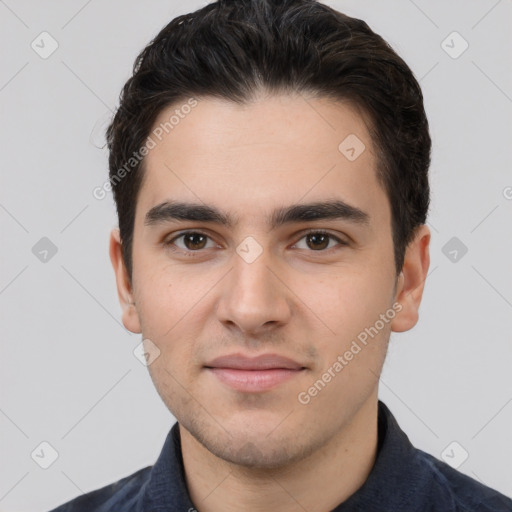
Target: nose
[254, 297]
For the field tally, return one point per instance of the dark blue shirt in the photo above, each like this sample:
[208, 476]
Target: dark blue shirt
[403, 479]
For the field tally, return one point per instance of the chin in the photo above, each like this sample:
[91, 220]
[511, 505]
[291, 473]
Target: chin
[258, 453]
[260, 446]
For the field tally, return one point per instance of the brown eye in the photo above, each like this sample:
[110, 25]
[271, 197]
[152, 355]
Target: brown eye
[190, 242]
[317, 241]
[194, 241]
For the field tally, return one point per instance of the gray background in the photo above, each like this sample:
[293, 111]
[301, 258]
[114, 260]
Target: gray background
[68, 373]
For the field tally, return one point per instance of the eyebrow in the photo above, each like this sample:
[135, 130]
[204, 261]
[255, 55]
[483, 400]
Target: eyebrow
[169, 211]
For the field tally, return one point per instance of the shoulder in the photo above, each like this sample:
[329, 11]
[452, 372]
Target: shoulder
[125, 494]
[459, 492]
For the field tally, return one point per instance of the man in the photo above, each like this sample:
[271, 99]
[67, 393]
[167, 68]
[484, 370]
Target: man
[269, 162]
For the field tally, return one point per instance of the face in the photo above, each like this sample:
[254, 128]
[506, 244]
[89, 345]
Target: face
[297, 301]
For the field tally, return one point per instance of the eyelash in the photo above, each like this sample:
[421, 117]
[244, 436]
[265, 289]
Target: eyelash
[192, 254]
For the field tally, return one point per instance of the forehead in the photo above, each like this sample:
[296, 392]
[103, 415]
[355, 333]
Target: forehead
[271, 151]
[305, 124]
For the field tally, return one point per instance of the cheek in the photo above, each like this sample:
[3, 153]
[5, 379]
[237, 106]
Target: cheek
[171, 304]
[349, 300]
[358, 309]
[163, 291]
[351, 306]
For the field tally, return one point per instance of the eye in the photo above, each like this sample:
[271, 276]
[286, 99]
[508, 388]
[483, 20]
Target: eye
[319, 241]
[190, 241]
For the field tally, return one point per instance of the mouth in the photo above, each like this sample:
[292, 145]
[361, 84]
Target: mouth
[254, 374]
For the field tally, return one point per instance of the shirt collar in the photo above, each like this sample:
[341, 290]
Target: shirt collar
[167, 489]
[395, 476]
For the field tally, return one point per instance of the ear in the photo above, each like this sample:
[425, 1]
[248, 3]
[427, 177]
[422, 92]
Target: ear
[130, 316]
[411, 280]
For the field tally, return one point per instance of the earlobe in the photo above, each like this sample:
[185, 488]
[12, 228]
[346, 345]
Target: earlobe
[130, 315]
[411, 281]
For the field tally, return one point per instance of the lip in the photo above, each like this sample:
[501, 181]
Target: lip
[261, 362]
[254, 374]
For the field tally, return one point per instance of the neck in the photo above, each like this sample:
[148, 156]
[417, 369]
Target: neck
[318, 483]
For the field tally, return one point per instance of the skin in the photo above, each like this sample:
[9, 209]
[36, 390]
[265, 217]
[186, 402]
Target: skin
[267, 451]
